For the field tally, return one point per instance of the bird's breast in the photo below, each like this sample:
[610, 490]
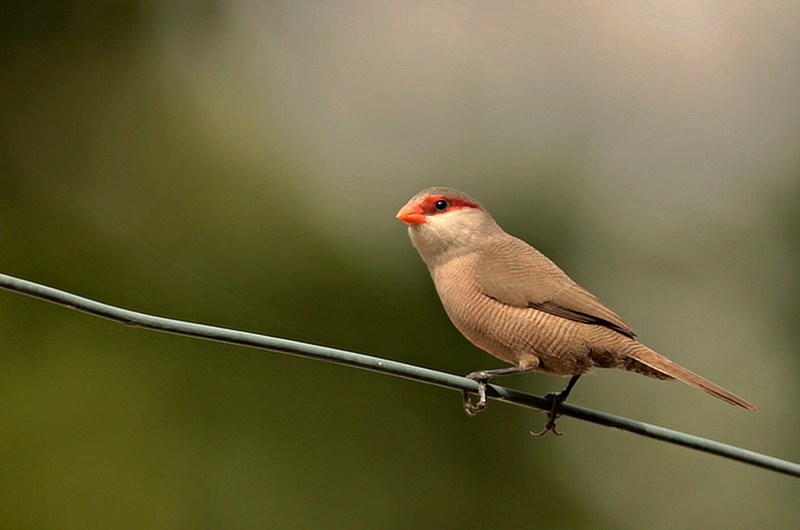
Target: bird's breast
[504, 331]
[512, 334]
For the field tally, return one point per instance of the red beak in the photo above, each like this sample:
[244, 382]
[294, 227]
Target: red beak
[411, 214]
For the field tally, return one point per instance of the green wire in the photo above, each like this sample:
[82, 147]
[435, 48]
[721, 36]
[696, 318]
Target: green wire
[386, 366]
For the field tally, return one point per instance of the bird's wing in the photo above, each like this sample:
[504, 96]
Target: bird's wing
[515, 273]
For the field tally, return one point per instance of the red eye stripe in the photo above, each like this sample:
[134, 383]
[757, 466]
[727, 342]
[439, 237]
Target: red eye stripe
[429, 204]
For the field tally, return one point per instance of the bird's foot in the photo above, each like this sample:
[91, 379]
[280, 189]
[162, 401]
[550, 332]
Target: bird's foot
[556, 399]
[474, 408]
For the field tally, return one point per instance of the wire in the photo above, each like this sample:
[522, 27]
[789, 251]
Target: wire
[386, 366]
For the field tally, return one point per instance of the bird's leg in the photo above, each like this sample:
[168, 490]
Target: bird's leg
[556, 399]
[482, 377]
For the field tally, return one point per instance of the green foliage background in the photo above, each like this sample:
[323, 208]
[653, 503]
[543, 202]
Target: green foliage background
[240, 164]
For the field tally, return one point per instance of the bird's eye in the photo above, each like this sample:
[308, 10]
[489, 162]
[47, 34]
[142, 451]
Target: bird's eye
[441, 205]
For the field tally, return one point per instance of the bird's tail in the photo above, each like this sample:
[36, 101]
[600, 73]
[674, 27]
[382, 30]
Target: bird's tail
[644, 355]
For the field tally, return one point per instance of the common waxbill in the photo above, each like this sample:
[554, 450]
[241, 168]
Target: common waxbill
[509, 299]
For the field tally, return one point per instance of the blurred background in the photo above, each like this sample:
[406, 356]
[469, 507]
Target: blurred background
[240, 164]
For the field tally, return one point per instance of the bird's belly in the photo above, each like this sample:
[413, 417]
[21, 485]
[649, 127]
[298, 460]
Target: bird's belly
[520, 335]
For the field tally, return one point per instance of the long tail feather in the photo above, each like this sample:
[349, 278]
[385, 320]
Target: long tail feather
[658, 362]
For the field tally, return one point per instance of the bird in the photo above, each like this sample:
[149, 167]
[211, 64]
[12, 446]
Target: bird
[509, 299]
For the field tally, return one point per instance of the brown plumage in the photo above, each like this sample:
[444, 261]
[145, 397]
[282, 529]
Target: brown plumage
[512, 301]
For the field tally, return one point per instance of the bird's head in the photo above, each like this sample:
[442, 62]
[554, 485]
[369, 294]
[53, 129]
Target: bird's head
[444, 223]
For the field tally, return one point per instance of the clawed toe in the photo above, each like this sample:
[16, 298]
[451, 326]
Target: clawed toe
[550, 426]
[481, 377]
[555, 399]
[474, 408]
[470, 408]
